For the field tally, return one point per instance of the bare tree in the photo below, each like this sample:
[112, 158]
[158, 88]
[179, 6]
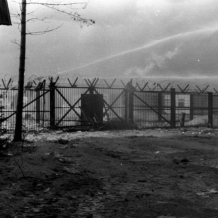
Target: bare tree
[58, 7]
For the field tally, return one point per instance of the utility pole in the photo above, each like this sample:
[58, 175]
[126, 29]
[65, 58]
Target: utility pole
[75, 16]
[18, 125]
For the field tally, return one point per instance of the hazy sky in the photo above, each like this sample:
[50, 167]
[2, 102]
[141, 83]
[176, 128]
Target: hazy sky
[134, 38]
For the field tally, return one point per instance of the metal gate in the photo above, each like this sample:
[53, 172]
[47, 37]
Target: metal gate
[67, 109]
[152, 109]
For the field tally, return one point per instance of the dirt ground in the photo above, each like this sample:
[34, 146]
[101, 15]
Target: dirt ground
[118, 174]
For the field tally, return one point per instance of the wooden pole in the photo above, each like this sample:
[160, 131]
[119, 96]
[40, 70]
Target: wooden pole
[18, 125]
[131, 101]
[126, 104]
[159, 106]
[191, 106]
[173, 107]
[52, 104]
[38, 106]
[210, 109]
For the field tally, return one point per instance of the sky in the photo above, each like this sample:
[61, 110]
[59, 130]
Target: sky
[130, 38]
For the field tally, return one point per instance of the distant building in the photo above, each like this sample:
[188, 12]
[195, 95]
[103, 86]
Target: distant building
[5, 18]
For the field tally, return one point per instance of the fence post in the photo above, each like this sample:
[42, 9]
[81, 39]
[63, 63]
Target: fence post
[131, 112]
[210, 109]
[191, 107]
[173, 107]
[52, 104]
[126, 104]
[159, 106]
[130, 90]
[38, 106]
[91, 90]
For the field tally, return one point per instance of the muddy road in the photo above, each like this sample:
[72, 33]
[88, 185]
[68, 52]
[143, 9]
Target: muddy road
[117, 174]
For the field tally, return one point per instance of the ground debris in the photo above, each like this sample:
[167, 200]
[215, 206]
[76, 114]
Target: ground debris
[63, 141]
[181, 161]
[208, 192]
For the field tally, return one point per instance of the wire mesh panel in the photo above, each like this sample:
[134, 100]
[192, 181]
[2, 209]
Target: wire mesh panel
[151, 108]
[68, 105]
[8, 101]
[29, 110]
[8, 108]
[141, 111]
[215, 110]
[42, 106]
[114, 103]
[198, 114]
[182, 108]
[165, 107]
[200, 106]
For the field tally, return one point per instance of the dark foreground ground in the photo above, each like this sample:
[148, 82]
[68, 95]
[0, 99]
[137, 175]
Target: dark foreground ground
[135, 174]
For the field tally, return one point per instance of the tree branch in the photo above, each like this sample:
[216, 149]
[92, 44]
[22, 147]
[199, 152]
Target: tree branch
[37, 19]
[15, 42]
[74, 16]
[44, 31]
[58, 4]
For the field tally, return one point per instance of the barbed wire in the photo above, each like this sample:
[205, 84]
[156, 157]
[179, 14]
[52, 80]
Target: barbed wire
[140, 84]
